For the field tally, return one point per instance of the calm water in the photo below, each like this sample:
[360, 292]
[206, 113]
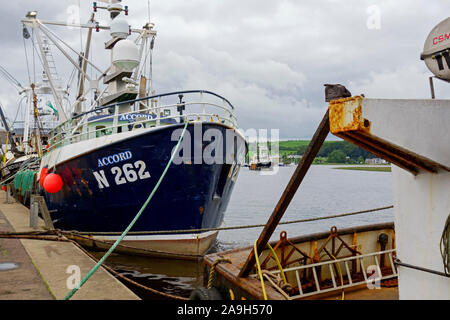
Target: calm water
[324, 191]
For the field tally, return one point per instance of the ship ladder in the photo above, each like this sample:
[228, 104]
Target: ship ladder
[371, 280]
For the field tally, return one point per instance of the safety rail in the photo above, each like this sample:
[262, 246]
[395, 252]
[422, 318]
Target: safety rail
[334, 265]
[82, 127]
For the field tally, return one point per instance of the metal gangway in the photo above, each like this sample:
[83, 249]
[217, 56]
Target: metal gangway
[332, 270]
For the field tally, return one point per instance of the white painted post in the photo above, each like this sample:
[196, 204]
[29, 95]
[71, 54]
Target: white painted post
[203, 107]
[116, 118]
[158, 114]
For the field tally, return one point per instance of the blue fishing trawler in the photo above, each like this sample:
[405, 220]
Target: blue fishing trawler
[110, 154]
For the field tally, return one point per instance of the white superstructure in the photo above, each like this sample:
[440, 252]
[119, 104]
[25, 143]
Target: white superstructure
[414, 136]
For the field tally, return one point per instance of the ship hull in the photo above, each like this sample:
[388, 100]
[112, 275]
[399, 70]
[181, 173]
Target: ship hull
[105, 187]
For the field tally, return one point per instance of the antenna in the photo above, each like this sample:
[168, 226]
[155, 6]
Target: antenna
[114, 7]
[436, 53]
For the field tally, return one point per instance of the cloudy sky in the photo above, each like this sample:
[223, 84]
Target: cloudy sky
[269, 58]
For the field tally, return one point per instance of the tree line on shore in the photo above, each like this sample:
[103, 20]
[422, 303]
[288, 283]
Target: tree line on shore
[330, 152]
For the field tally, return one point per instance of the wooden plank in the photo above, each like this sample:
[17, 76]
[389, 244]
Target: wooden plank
[302, 168]
[227, 276]
[45, 213]
[37, 203]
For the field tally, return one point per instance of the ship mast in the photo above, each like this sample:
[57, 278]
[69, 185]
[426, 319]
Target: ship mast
[128, 59]
[46, 65]
[78, 107]
[37, 127]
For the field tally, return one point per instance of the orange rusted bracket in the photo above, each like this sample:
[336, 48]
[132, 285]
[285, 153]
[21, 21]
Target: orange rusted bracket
[346, 115]
[284, 259]
[334, 253]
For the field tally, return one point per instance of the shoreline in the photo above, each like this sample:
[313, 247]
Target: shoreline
[367, 168]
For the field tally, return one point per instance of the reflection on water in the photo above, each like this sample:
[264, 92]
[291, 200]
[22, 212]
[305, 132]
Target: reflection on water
[324, 191]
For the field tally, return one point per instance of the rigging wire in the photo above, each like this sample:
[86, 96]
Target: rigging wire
[39, 57]
[52, 34]
[6, 118]
[91, 53]
[81, 34]
[34, 49]
[19, 108]
[147, 52]
[26, 58]
[9, 77]
[35, 52]
[150, 75]
[71, 78]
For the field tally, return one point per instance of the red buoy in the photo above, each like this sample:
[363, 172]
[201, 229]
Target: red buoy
[53, 183]
[42, 176]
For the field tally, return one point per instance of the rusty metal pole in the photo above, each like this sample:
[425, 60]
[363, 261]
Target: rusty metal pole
[431, 87]
[303, 166]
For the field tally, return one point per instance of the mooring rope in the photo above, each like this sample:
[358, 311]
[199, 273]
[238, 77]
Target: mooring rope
[83, 235]
[248, 226]
[212, 271]
[100, 262]
[117, 274]
[56, 235]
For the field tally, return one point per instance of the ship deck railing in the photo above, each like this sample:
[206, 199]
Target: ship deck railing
[338, 278]
[81, 127]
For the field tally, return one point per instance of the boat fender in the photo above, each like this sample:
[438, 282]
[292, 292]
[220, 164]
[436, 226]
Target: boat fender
[43, 175]
[53, 183]
[206, 294]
